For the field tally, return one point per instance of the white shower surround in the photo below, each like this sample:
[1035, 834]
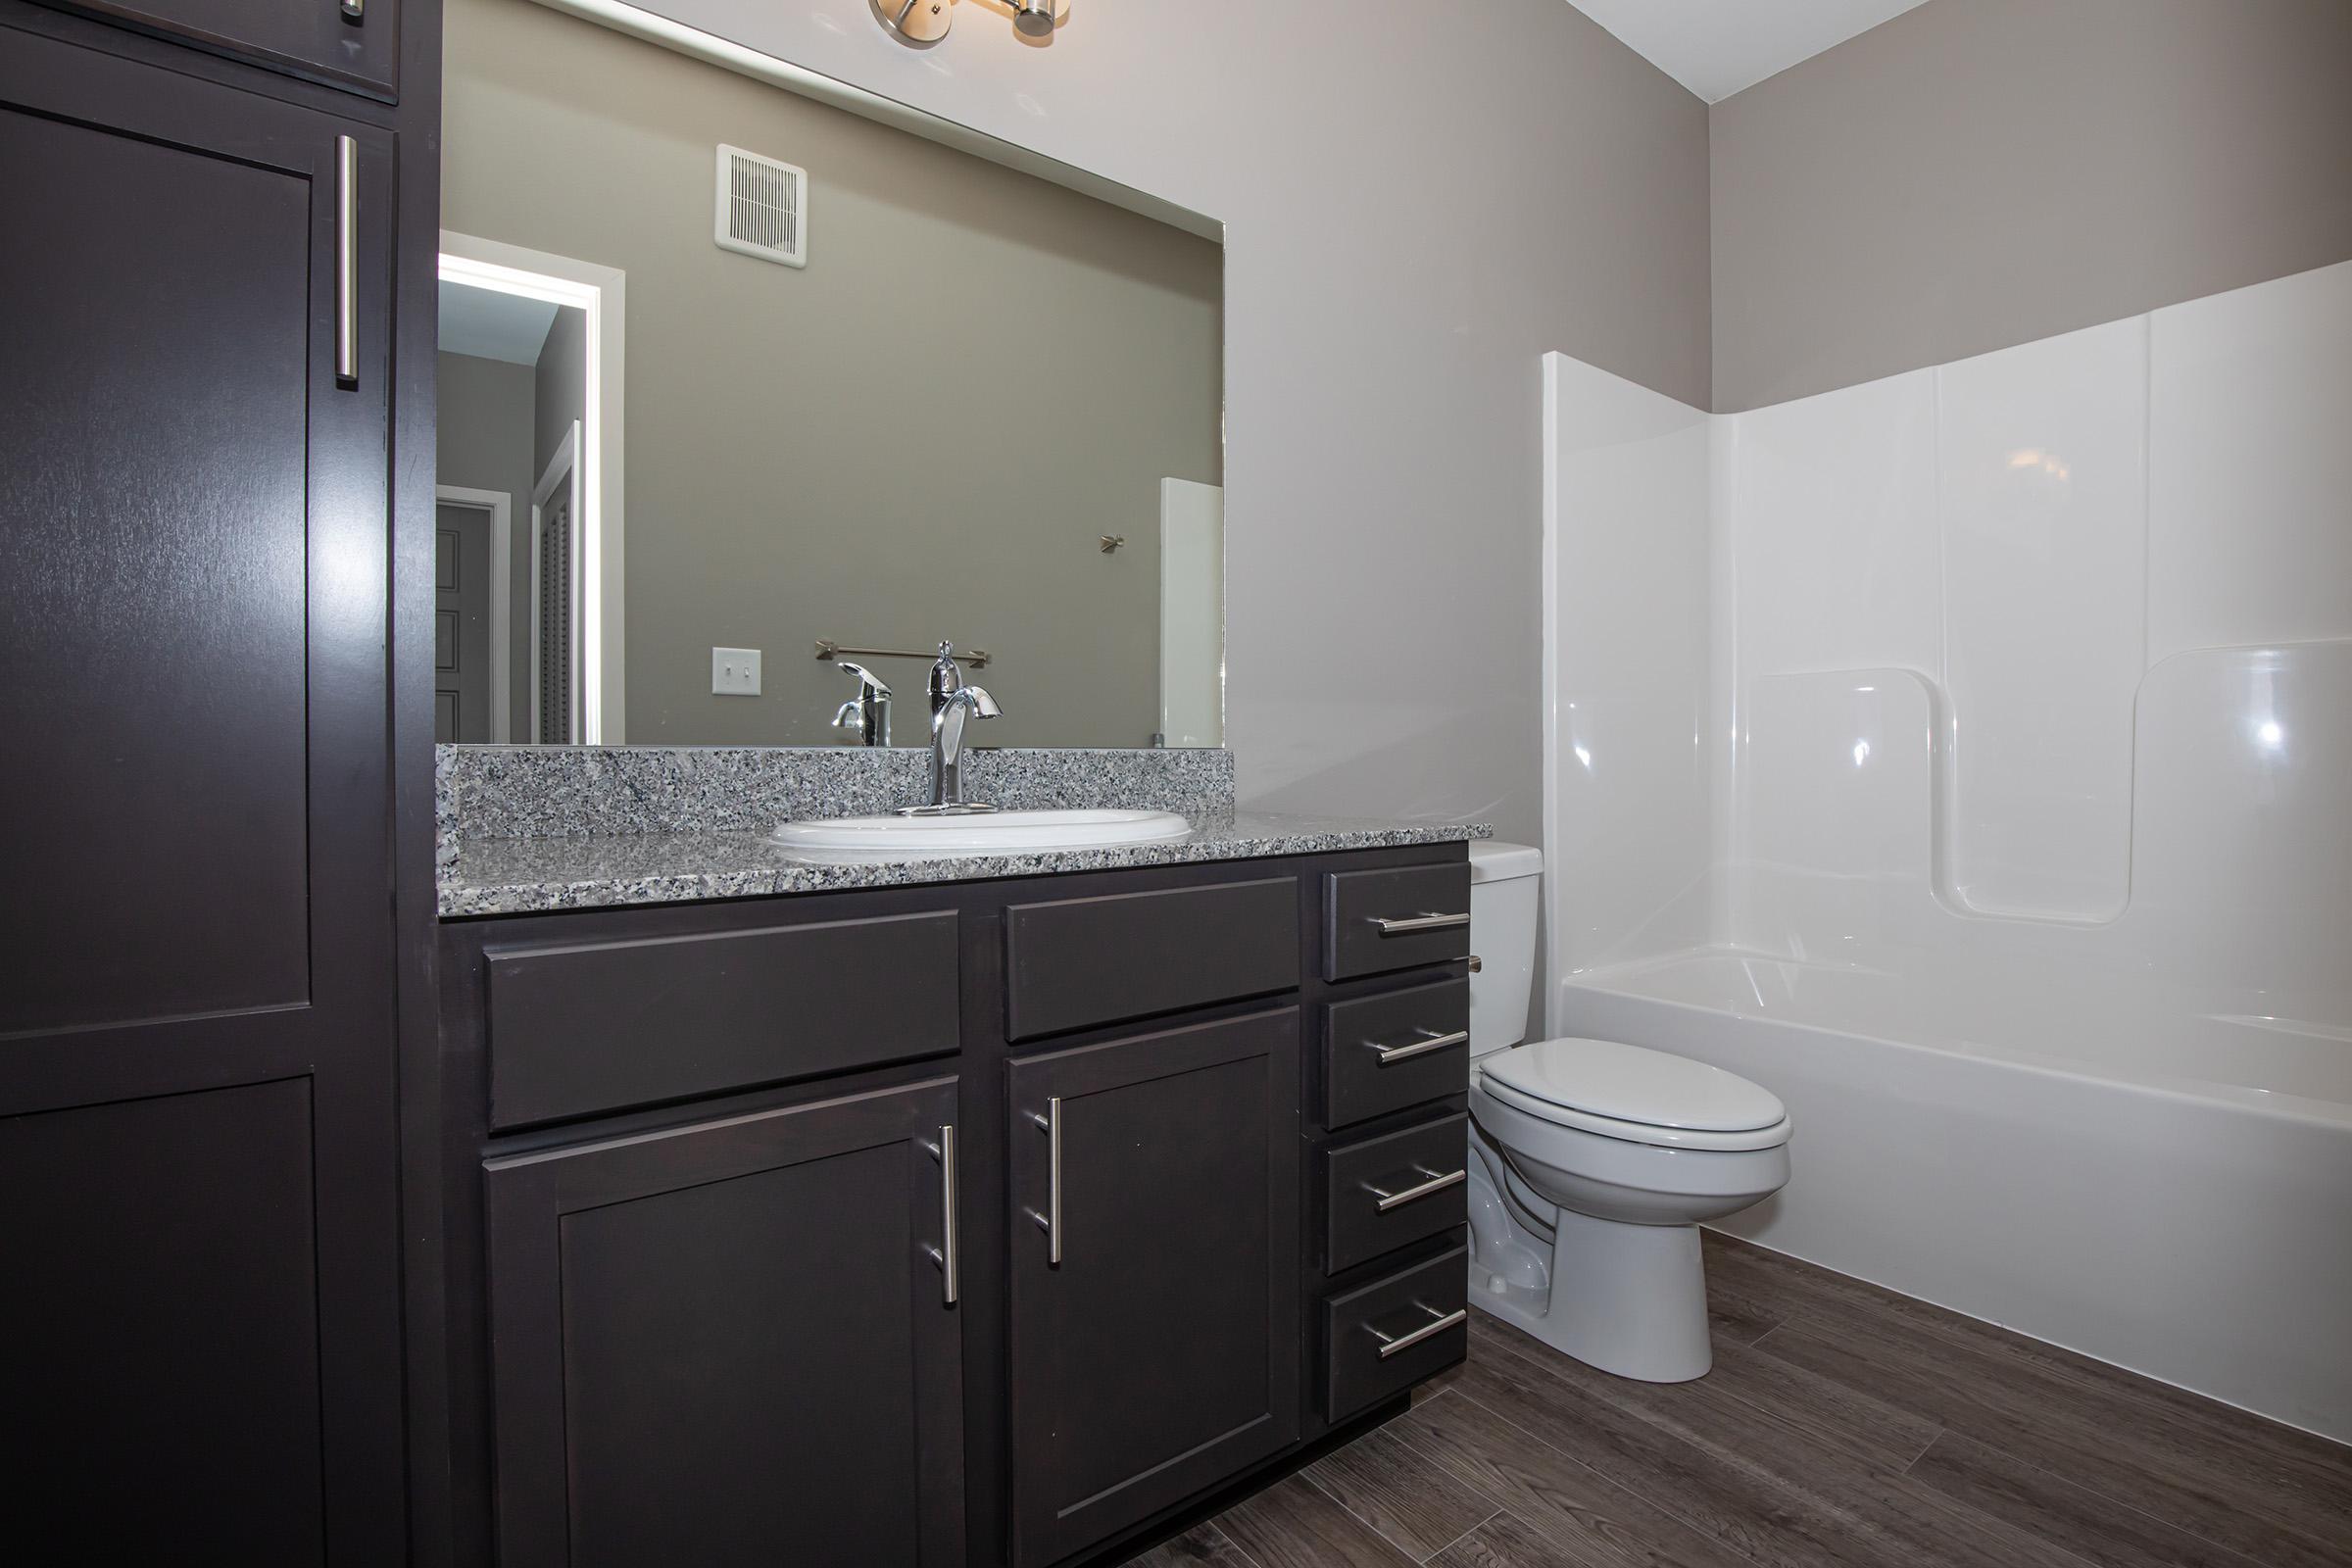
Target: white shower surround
[1967, 756]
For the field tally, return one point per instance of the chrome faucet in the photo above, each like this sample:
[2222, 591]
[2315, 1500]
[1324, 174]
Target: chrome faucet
[953, 703]
[868, 713]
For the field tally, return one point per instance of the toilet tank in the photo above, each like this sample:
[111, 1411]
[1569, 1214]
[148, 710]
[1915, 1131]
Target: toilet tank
[1503, 881]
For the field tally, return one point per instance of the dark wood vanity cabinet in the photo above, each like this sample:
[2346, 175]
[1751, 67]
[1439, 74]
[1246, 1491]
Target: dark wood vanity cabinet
[697, 1191]
[201, 1345]
[732, 1342]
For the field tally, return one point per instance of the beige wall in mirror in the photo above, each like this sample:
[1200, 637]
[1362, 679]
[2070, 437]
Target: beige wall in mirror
[923, 432]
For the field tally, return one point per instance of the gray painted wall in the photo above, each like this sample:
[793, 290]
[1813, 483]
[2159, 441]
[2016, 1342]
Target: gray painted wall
[1419, 199]
[921, 435]
[485, 444]
[559, 386]
[1976, 173]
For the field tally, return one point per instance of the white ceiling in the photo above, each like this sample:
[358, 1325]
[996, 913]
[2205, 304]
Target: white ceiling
[1716, 47]
[493, 326]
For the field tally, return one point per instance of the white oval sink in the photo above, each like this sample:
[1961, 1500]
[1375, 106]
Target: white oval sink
[905, 838]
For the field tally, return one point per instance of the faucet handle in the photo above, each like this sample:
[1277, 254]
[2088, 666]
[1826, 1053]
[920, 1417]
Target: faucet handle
[867, 680]
[947, 675]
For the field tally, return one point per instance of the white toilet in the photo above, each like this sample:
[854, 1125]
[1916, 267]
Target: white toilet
[1592, 1163]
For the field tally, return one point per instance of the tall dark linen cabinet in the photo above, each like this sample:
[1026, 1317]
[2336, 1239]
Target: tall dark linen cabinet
[216, 370]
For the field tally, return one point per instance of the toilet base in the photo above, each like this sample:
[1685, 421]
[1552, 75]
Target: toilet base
[1630, 1300]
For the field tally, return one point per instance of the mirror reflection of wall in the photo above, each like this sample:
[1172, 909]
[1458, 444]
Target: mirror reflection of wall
[927, 430]
[512, 390]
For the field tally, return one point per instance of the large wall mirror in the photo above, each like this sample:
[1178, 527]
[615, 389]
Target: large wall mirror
[743, 393]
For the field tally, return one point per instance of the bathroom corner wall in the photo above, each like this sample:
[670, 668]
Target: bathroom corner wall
[1419, 202]
[1977, 173]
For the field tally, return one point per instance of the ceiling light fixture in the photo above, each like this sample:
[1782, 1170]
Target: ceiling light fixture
[923, 23]
[915, 20]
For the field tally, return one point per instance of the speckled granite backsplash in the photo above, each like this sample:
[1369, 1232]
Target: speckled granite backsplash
[523, 792]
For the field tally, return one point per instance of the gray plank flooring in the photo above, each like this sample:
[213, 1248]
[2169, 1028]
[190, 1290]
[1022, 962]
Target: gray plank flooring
[1843, 1427]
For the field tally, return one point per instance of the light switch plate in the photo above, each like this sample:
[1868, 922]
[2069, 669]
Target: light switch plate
[734, 671]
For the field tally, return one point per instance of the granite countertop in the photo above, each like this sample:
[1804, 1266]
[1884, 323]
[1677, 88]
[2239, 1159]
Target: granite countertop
[534, 875]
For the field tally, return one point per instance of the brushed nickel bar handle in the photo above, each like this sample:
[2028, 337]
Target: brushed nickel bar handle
[1436, 1184]
[1051, 1220]
[1388, 1053]
[347, 259]
[1390, 1344]
[947, 1230]
[1394, 926]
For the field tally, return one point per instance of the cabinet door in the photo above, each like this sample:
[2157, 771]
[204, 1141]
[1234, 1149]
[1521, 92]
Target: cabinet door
[197, 1131]
[1160, 1354]
[352, 44]
[731, 1343]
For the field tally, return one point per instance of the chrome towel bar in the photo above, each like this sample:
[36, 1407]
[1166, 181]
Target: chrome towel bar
[977, 657]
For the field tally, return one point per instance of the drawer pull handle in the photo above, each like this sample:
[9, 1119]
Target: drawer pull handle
[1051, 1220]
[347, 260]
[945, 1253]
[1440, 1322]
[1405, 925]
[1436, 1184]
[1419, 1048]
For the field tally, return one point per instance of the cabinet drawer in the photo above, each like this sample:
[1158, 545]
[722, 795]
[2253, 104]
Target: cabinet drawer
[575, 1029]
[1384, 1053]
[1389, 1192]
[1375, 921]
[352, 44]
[1382, 1338]
[1079, 961]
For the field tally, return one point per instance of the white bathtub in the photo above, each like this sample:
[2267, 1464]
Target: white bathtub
[2103, 1168]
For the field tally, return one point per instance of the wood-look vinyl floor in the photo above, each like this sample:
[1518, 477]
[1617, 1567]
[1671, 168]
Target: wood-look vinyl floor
[1843, 1425]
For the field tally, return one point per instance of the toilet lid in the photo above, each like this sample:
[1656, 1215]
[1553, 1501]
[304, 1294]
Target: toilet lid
[1626, 1083]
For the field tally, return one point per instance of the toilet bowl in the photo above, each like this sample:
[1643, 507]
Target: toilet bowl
[1595, 1161]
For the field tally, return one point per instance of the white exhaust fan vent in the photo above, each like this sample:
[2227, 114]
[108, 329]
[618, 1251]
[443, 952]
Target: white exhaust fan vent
[762, 208]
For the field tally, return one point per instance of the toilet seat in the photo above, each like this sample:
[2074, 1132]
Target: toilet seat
[1641, 1096]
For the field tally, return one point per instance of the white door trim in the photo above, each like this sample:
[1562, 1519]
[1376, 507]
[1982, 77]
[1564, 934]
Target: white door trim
[601, 687]
[500, 507]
